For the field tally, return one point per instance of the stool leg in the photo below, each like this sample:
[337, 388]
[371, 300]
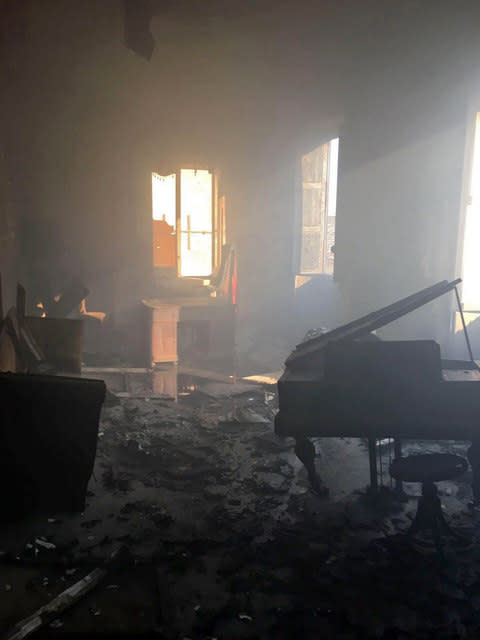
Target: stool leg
[426, 510]
[426, 517]
[430, 516]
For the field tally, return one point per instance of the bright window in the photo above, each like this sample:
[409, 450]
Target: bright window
[188, 222]
[164, 220]
[319, 202]
[196, 217]
[471, 253]
[163, 198]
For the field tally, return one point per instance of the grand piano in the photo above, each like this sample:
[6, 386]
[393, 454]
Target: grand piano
[348, 383]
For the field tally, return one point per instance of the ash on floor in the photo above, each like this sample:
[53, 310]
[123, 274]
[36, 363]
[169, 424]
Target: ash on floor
[228, 541]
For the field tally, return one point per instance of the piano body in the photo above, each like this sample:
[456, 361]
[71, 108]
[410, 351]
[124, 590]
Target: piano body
[346, 384]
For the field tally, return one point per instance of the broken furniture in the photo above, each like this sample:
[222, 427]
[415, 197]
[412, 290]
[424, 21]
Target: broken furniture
[164, 331]
[61, 340]
[39, 344]
[67, 326]
[71, 298]
[19, 350]
[429, 469]
[48, 440]
[196, 331]
[130, 382]
[67, 598]
[337, 386]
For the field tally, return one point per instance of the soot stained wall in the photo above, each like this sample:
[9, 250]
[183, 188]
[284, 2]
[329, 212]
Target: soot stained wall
[91, 120]
[400, 193]
[88, 121]
[401, 167]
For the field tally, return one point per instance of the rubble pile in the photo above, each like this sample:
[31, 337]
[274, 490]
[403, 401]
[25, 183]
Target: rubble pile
[206, 465]
[228, 541]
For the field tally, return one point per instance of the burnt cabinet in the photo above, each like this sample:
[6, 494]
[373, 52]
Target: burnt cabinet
[198, 332]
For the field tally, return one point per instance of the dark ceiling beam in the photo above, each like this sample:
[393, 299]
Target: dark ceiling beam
[138, 14]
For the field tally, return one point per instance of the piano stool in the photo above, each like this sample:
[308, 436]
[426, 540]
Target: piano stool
[429, 469]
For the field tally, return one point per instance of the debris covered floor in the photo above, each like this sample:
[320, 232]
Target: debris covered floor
[227, 541]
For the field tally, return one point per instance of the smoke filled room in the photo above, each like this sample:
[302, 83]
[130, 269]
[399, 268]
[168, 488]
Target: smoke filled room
[240, 319]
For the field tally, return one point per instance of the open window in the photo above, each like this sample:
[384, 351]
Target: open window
[319, 200]
[471, 231]
[164, 220]
[188, 222]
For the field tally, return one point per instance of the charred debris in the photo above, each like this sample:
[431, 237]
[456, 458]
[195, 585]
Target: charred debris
[188, 517]
[239, 397]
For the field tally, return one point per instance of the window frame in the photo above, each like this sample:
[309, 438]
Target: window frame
[299, 214]
[218, 232]
[465, 199]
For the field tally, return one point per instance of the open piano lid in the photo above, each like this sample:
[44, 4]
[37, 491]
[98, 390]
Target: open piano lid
[371, 321]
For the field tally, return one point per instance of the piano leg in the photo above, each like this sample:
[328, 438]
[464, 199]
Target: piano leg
[474, 459]
[305, 452]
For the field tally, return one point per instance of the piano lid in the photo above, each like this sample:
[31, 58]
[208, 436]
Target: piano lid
[371, 321]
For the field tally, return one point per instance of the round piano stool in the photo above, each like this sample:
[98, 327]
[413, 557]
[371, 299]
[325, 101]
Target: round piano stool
[429, 469]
